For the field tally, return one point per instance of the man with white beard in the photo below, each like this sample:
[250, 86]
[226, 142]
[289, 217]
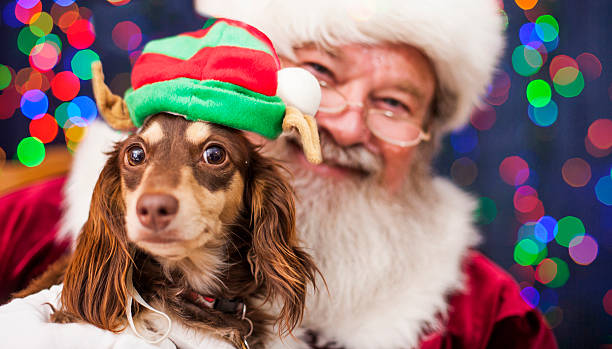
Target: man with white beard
[393, 241]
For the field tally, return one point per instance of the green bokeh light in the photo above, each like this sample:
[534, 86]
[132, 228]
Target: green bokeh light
[486, 211]
[526, 60]
[547, 28]
[538, 93]
[5, 76]
[81, 63]
[31, 151]
[568, 228]
[562, 274]
[26, 40]
[61, 114]
[527, 252]
[572, 89]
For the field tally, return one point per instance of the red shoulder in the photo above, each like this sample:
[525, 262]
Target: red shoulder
[490, 312]
[29, 220]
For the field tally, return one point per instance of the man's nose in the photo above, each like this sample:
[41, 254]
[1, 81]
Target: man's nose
[348, 127]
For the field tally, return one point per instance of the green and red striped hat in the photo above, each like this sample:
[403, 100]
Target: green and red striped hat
[225, 73]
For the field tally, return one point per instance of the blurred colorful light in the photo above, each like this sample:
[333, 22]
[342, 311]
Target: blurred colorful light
[464, 171]
[81, 34]
[44, 128]
[607, 302]
[26, 41]
[544, 116]
[498, 90]
[31, 152]
[553, 316]
[545, 229]
[589, 65]
[568, 228]
[531, 296]
[600, 133]
[576, 172]
[583, 249]
[603, 190]
[63, 2]
[464, 140]
[525, 199]
[529, 252]
[42, 25]
[547, 28]
[526, 4]
[34, 104]
[118, 2]
[65, 86]
[546, 271]
[562, 274]
[127, 35]
[526, 60]
[30, 79]
[81, 63]
[568, 82]
[483, 118]
[5, 77]
[44, 56]
[75, 133]
[538, 93]
[514, 170]
[595, 151]
[487, 210]
[26, 12]
[65, 16]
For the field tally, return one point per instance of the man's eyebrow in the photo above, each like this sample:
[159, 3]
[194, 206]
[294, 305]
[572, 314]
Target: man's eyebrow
[411, 89]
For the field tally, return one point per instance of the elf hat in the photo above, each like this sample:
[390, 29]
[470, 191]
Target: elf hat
[462, 38]
[226, 73]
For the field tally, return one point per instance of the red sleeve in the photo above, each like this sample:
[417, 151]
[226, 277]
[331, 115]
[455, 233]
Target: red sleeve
[490, 313]
[29, 220]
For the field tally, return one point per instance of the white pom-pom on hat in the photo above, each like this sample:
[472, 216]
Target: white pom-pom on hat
[298, 88]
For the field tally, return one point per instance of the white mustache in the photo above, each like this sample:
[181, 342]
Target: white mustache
[355, 157]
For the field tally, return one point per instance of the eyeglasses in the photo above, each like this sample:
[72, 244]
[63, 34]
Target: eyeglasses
[392, 127]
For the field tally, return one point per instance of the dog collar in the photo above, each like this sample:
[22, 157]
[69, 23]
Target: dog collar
[234, 306]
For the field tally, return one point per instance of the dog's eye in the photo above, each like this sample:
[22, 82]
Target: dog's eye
[214, 155]
[135, 155]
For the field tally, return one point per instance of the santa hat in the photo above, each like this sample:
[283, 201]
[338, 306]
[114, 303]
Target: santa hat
[227, 73]
[462, 38]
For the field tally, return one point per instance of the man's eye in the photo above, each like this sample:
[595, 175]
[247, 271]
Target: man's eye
[391, 104]
[135, 155]
[318, 70]
[214, 155]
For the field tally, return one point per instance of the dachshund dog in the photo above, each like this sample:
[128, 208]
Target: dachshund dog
[189, 218]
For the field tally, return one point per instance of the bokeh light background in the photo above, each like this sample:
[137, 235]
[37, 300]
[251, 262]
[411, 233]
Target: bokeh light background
[538, 152]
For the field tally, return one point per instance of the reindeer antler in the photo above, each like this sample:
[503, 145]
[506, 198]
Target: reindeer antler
[112, 107]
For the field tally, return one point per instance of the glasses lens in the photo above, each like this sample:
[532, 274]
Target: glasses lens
[393, 130]
[331, 100]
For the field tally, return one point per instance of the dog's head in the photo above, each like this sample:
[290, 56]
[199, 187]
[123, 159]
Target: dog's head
[187, 193]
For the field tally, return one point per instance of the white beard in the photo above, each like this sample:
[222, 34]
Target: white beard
[389, 262]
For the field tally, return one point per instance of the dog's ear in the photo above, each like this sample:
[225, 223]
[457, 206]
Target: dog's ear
[95, 281]
[278, 263]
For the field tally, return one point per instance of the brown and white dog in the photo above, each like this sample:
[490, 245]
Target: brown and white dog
[206, 226]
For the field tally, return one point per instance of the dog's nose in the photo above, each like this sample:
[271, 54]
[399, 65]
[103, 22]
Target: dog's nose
[156, 211]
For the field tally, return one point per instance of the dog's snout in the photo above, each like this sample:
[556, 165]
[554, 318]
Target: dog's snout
[156, 211]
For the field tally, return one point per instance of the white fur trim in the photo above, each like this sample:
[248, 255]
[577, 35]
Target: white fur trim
[463, 38]
[87, 164]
